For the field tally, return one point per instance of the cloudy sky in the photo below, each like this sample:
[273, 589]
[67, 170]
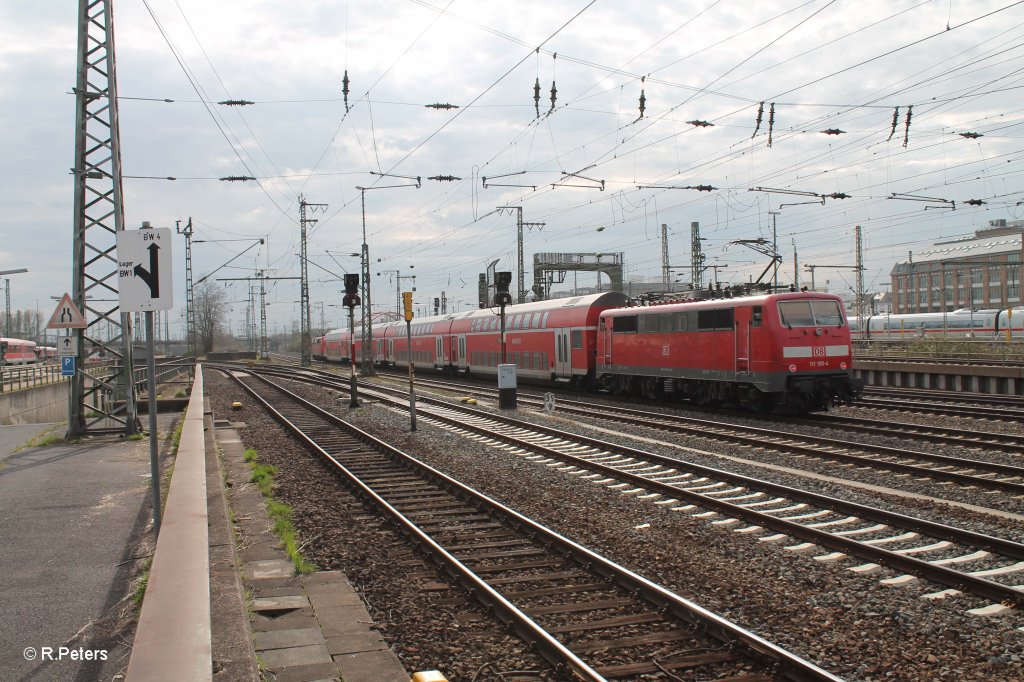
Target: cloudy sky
[825, 64]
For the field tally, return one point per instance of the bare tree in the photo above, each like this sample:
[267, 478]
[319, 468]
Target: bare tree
[210, 301]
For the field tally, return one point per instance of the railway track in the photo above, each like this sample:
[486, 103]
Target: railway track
[927, 406]
[817, 521]
[944, 396]
[591, 618]
[940, 468]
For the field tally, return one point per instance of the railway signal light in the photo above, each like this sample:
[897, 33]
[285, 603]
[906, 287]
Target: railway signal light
[502, 280]
[351, 299]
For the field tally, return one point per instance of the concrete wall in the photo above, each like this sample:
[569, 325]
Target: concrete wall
[39, 405]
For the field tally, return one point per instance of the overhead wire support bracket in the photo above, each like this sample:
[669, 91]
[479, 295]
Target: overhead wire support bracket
[566, 175]
[506, 175]
[944, 203]
[796, 192]
[416, 178]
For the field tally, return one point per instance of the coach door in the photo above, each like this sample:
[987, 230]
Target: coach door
[460, 355]
[743, 320]
[563, 353]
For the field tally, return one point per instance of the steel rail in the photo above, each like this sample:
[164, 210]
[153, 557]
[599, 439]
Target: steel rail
[939, 574]
[917, 567]
[675, 423]
[790, 666]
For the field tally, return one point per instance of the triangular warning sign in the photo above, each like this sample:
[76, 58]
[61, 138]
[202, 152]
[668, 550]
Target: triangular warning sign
[66, 316]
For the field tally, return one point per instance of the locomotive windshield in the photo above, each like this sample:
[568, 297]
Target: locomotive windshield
[816, 313]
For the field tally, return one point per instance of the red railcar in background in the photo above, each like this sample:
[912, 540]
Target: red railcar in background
[18, 351]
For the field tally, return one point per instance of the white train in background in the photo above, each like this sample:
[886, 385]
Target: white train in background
[995, 325]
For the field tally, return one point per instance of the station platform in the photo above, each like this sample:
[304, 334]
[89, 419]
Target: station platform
[220, 599]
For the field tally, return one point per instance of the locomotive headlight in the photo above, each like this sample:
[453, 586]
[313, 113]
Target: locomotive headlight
[818, 332]
[842, 365]
[792, 368]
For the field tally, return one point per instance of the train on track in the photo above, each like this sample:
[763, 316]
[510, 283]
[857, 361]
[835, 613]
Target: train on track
[18, 351]
[786, 350]
[993, 325]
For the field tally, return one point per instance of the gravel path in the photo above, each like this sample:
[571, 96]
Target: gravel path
[845, 622]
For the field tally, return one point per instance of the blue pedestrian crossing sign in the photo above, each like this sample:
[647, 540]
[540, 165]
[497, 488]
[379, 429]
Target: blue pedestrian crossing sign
[67, 366]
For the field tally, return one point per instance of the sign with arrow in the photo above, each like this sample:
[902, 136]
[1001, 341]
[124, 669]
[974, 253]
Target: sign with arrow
[144, 270]
[67, 345]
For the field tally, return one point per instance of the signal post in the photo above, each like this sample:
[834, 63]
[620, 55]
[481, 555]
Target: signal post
[506, 372]
[407, 305]
[350, 301]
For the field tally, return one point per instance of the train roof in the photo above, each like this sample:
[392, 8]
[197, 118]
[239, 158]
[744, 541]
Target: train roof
[759, 299]
[608, 299]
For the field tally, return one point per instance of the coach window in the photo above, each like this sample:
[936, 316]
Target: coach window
[577, 339]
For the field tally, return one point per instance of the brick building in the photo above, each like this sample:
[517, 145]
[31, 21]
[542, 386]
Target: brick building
[984, 271]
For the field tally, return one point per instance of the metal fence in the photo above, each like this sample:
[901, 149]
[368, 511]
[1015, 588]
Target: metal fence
[963, 351]
[16, 378]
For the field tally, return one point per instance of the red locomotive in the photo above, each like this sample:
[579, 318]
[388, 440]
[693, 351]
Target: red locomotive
[790, 350]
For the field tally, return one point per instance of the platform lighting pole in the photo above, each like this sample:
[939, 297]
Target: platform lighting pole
[367, 361]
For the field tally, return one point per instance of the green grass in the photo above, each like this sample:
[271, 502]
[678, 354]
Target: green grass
[137, 436]
[280, 514]
[140, 586]
[176, 436]
[43, 439]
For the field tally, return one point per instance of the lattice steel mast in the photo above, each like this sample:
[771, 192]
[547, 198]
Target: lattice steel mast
[307, 359]
[99, 215]
[190, 309]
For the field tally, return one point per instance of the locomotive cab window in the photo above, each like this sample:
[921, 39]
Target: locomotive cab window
[810, 314]
[757, 316]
